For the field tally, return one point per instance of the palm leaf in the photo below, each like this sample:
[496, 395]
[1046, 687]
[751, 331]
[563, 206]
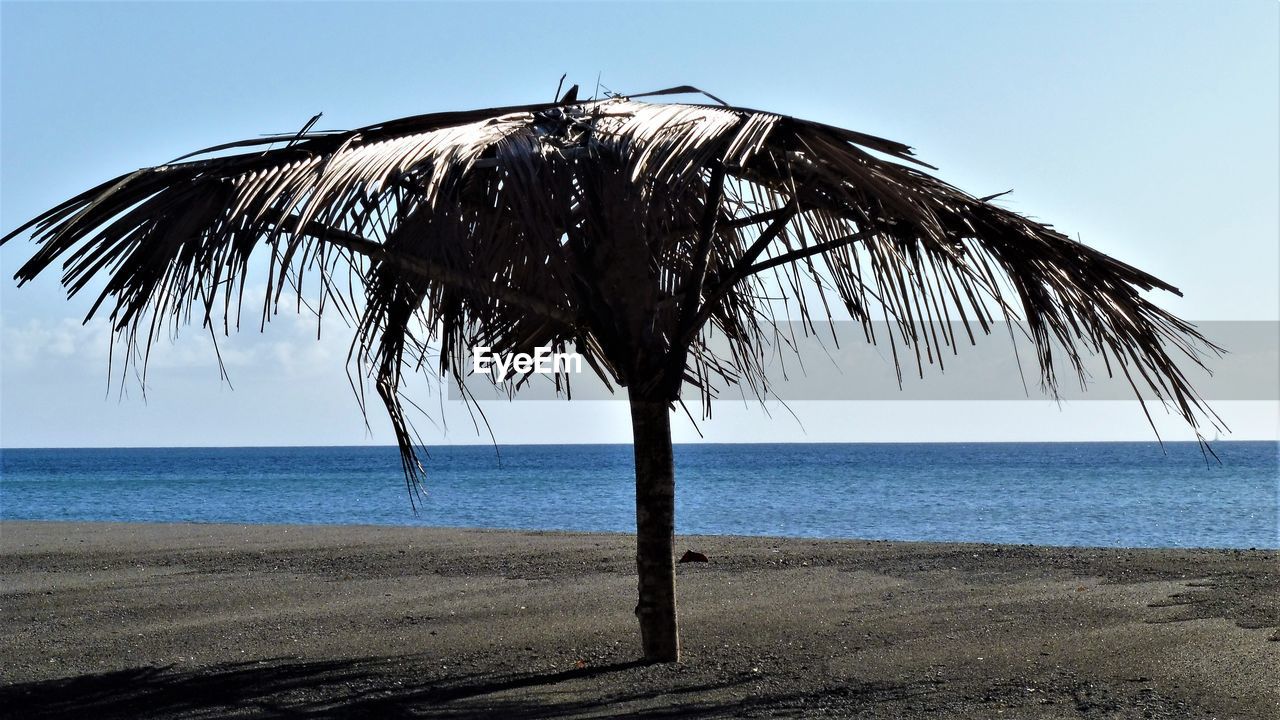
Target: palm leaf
[629, 230]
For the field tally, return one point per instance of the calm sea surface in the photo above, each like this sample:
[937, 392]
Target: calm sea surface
[1110, 494]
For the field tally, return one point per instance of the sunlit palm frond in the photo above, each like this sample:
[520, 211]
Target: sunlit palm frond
[630, 230]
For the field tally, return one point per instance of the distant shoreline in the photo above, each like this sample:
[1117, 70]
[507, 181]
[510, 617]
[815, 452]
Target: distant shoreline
[1152, 442]
[118, 619]
[338, 527]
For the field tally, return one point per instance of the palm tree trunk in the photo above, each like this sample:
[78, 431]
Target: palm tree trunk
[655, 529]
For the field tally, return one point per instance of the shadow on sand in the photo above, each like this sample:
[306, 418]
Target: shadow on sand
[372, 687]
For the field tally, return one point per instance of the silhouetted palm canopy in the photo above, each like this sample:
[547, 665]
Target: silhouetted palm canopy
[632, 231]
[599, 224]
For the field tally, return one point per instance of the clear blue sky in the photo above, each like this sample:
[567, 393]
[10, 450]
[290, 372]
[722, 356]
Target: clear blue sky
[1150, 129]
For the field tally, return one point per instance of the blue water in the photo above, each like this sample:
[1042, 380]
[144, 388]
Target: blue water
[1107, 494]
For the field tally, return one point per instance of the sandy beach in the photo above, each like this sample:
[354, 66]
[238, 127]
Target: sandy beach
[130, 620]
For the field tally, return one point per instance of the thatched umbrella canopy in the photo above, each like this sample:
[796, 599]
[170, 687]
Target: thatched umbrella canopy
[628, 230]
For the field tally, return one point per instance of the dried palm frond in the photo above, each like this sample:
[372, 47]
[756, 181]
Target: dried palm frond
[629, 230]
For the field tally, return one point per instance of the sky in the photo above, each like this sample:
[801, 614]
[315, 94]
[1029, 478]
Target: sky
[1146, 129]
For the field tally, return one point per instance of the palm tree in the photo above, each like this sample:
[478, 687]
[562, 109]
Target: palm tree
[631, 231]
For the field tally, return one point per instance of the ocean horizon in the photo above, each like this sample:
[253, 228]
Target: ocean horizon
[1110, 494]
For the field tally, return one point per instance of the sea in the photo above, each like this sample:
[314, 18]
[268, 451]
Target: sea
[1068, 494]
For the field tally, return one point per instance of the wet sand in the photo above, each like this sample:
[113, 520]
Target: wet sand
[131, 620]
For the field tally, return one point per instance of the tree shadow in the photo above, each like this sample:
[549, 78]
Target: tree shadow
[369, 687]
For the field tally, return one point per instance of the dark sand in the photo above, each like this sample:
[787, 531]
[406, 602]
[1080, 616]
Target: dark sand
[107, 620]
